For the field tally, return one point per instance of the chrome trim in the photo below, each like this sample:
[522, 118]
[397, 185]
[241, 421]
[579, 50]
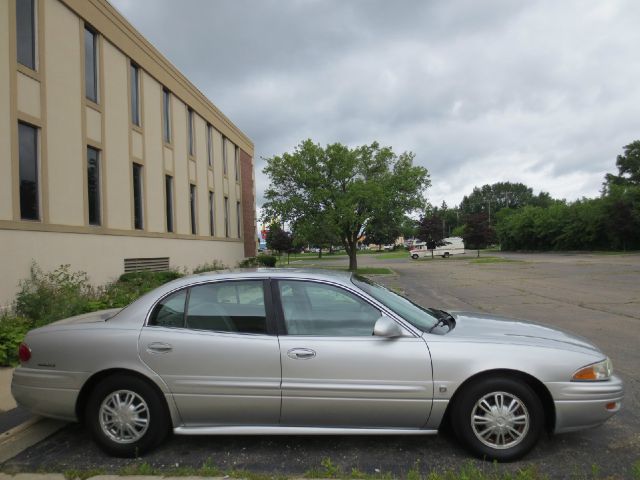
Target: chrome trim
[278, 430]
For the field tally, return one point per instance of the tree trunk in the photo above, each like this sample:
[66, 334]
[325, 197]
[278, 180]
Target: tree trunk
[353, 259]
[320, 252]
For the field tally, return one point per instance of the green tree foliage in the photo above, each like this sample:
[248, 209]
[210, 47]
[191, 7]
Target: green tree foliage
[408, 227]
[347, 187]
[628, 167]
[611, 221]
[490, 199]
[382, 231]
[315, 231]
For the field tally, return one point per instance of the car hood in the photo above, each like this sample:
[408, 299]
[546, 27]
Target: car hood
[491, 328]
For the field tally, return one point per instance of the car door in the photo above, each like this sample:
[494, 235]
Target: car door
[335, 373]
[215, 347]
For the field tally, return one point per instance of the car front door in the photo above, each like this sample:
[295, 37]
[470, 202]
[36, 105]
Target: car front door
[217, 352]
[335, 373]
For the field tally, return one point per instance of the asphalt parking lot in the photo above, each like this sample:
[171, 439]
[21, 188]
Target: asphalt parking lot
[596, 296]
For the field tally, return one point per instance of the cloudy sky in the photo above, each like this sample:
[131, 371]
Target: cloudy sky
[541, 92]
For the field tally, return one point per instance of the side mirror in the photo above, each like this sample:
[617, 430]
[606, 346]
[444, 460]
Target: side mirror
[387, 327]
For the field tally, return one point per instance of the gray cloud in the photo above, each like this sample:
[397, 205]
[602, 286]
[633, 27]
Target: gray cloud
[544, 92]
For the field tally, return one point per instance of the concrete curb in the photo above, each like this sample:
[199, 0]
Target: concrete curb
[25, 435]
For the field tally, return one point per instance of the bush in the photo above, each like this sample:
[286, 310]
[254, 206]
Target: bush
[131, 286]
[46, 297]
[267, 260]
[259, 261]
[12, 332]
[209, 267]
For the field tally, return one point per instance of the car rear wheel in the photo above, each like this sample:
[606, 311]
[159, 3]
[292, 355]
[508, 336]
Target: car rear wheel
[498, 418]
[126, 416]
[446, 255]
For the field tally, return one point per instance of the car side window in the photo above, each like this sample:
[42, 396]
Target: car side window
[170, 311]
[325, 310]
[236, 306]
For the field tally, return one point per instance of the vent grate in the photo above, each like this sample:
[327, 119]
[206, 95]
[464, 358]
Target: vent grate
[158, 264]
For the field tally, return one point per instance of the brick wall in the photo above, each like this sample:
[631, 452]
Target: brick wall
[248, 204]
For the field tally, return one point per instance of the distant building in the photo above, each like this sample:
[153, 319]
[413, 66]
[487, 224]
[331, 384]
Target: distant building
[110, 159]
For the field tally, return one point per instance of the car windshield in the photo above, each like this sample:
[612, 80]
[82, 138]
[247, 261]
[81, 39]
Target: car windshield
[418, 316]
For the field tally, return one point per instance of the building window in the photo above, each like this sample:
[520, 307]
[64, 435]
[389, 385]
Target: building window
[210, 144]
[26, 32]
[192, 203]
[226, 216]
[138, 222]
[93, 185]
[166, 115]
[190, 131]
[135, 94]
[212, 218]
[236, 160]
[28, 158]
[168, 185]
[90, 64]
[239, 217]
[224, 155]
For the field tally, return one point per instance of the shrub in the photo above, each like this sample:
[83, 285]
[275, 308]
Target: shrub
[131, 286]
[248, 262]
[46, 297]
[12, 332]
[259, 261]
[209, 267]
[267, 260]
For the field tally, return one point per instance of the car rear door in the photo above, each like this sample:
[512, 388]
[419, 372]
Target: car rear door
[335, 373]
[214, 345]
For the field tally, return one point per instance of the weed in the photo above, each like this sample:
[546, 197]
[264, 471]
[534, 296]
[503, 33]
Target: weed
[12, 332]
[210, 267]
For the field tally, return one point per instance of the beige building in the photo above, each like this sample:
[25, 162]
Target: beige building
[110, 159]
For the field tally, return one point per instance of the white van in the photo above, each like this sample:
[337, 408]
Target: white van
[452, 246]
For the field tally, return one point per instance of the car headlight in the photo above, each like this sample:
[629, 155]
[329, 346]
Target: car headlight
[595, 372]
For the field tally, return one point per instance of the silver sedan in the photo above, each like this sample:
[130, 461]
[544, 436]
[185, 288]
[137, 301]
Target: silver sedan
[310, 352]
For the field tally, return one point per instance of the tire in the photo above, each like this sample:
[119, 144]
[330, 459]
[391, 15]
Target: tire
[145, 413]
[414, 256]
[446, 255]
[498, 434]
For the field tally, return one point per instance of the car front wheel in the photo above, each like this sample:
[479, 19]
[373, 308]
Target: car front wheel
[126, 416]
[498, 418]
[414, 256]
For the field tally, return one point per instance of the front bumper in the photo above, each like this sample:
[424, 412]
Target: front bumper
[580, 405]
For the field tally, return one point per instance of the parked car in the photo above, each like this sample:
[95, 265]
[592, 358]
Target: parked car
[284, 352]
[450, 246]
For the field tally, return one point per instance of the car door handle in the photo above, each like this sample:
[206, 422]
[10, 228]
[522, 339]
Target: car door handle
[159, 347]
[301, 353]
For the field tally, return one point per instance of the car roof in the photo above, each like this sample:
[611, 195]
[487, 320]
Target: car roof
[139, 308]
[338, 276]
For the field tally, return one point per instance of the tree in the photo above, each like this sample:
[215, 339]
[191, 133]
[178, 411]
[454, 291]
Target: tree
[430, 227]
[278, 239]
[315, 230]
[478, 232]
[490, 199]
[382, 231]
[628, 168]
[346, 187]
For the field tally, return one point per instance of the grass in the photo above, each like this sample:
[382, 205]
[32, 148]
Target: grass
[485, 260]
[328, 469]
